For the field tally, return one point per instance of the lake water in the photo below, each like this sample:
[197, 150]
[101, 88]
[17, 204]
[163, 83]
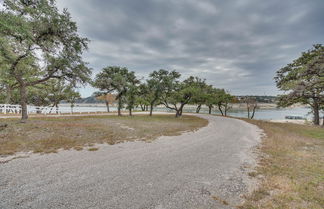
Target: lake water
[275, 114]
[264, 114]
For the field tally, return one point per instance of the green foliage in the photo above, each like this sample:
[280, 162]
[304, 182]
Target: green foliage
[131, 96]
[72, 96]
[179, 93]
[118, 80]
[52, 93]
[143, 97]
[218, 97]
[34, 31]
[39, 43]
[303, 80]
[159, 82]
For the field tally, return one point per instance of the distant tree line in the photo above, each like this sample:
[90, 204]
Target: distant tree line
[162, 87]
[261, 99]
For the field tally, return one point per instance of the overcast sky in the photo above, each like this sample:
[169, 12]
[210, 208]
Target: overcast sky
[234, 44]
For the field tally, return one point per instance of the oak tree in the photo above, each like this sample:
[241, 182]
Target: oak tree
[39, 43]
[303, 81]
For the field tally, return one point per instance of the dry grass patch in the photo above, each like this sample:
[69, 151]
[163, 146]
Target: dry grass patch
[93, 149]
[50, 134]
[292, 167]
[220, 200]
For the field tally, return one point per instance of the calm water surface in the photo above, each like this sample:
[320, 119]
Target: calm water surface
[264, 114]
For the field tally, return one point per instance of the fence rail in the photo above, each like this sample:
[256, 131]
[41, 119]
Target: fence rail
[62, 109]
[16, 109]
[9, 108]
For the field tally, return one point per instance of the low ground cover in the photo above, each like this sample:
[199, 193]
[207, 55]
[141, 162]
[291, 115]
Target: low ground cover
[48, 134]
[291, 169]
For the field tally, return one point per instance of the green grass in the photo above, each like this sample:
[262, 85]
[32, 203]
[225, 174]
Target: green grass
[306, 130]
[315, 133]
[93, 149]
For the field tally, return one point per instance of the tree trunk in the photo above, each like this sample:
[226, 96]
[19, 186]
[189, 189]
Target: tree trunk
[209, 109]
[107, 105]
[180, 110]
[119, 106]
[198, 108]
[220, 110]
[51, 108]
[178, 114]
[57, 108]
[225, 109]
[151, 109]
[253, 112]
[248, 112]
[8, 95]
[316, 112]
[142, 107]
[23, 103]
[130, 112]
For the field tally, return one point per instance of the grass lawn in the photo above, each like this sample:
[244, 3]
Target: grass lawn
[292, 168]
[50, 134]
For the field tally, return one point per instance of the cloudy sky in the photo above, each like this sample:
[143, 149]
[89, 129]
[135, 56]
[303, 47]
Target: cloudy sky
[234, 44]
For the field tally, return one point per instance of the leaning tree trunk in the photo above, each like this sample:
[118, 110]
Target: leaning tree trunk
[23, 103]
[180, 110]
[220, 110]
[253, 112]
[142, 107]
[316, 112]
[209, 109]
[248, 112]
[198, 108]
[107, 105]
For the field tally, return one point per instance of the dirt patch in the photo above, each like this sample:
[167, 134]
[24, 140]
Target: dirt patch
[50, 134]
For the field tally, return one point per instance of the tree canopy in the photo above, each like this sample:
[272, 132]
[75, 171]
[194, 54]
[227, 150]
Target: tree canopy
[303, 81]
[115, 79]
[158, 83]
[39, 43]
[181, 93]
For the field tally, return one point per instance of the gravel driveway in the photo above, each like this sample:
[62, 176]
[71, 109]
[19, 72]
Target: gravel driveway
[204, 169]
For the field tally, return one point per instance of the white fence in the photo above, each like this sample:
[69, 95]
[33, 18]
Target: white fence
[16, 109]
[62, 109]
[8, 108]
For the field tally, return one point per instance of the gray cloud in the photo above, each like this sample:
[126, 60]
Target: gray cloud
[235, 44]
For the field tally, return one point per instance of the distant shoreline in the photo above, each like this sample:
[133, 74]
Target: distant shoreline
[238, 106]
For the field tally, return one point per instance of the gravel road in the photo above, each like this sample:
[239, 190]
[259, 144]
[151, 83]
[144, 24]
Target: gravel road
[197, 170]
